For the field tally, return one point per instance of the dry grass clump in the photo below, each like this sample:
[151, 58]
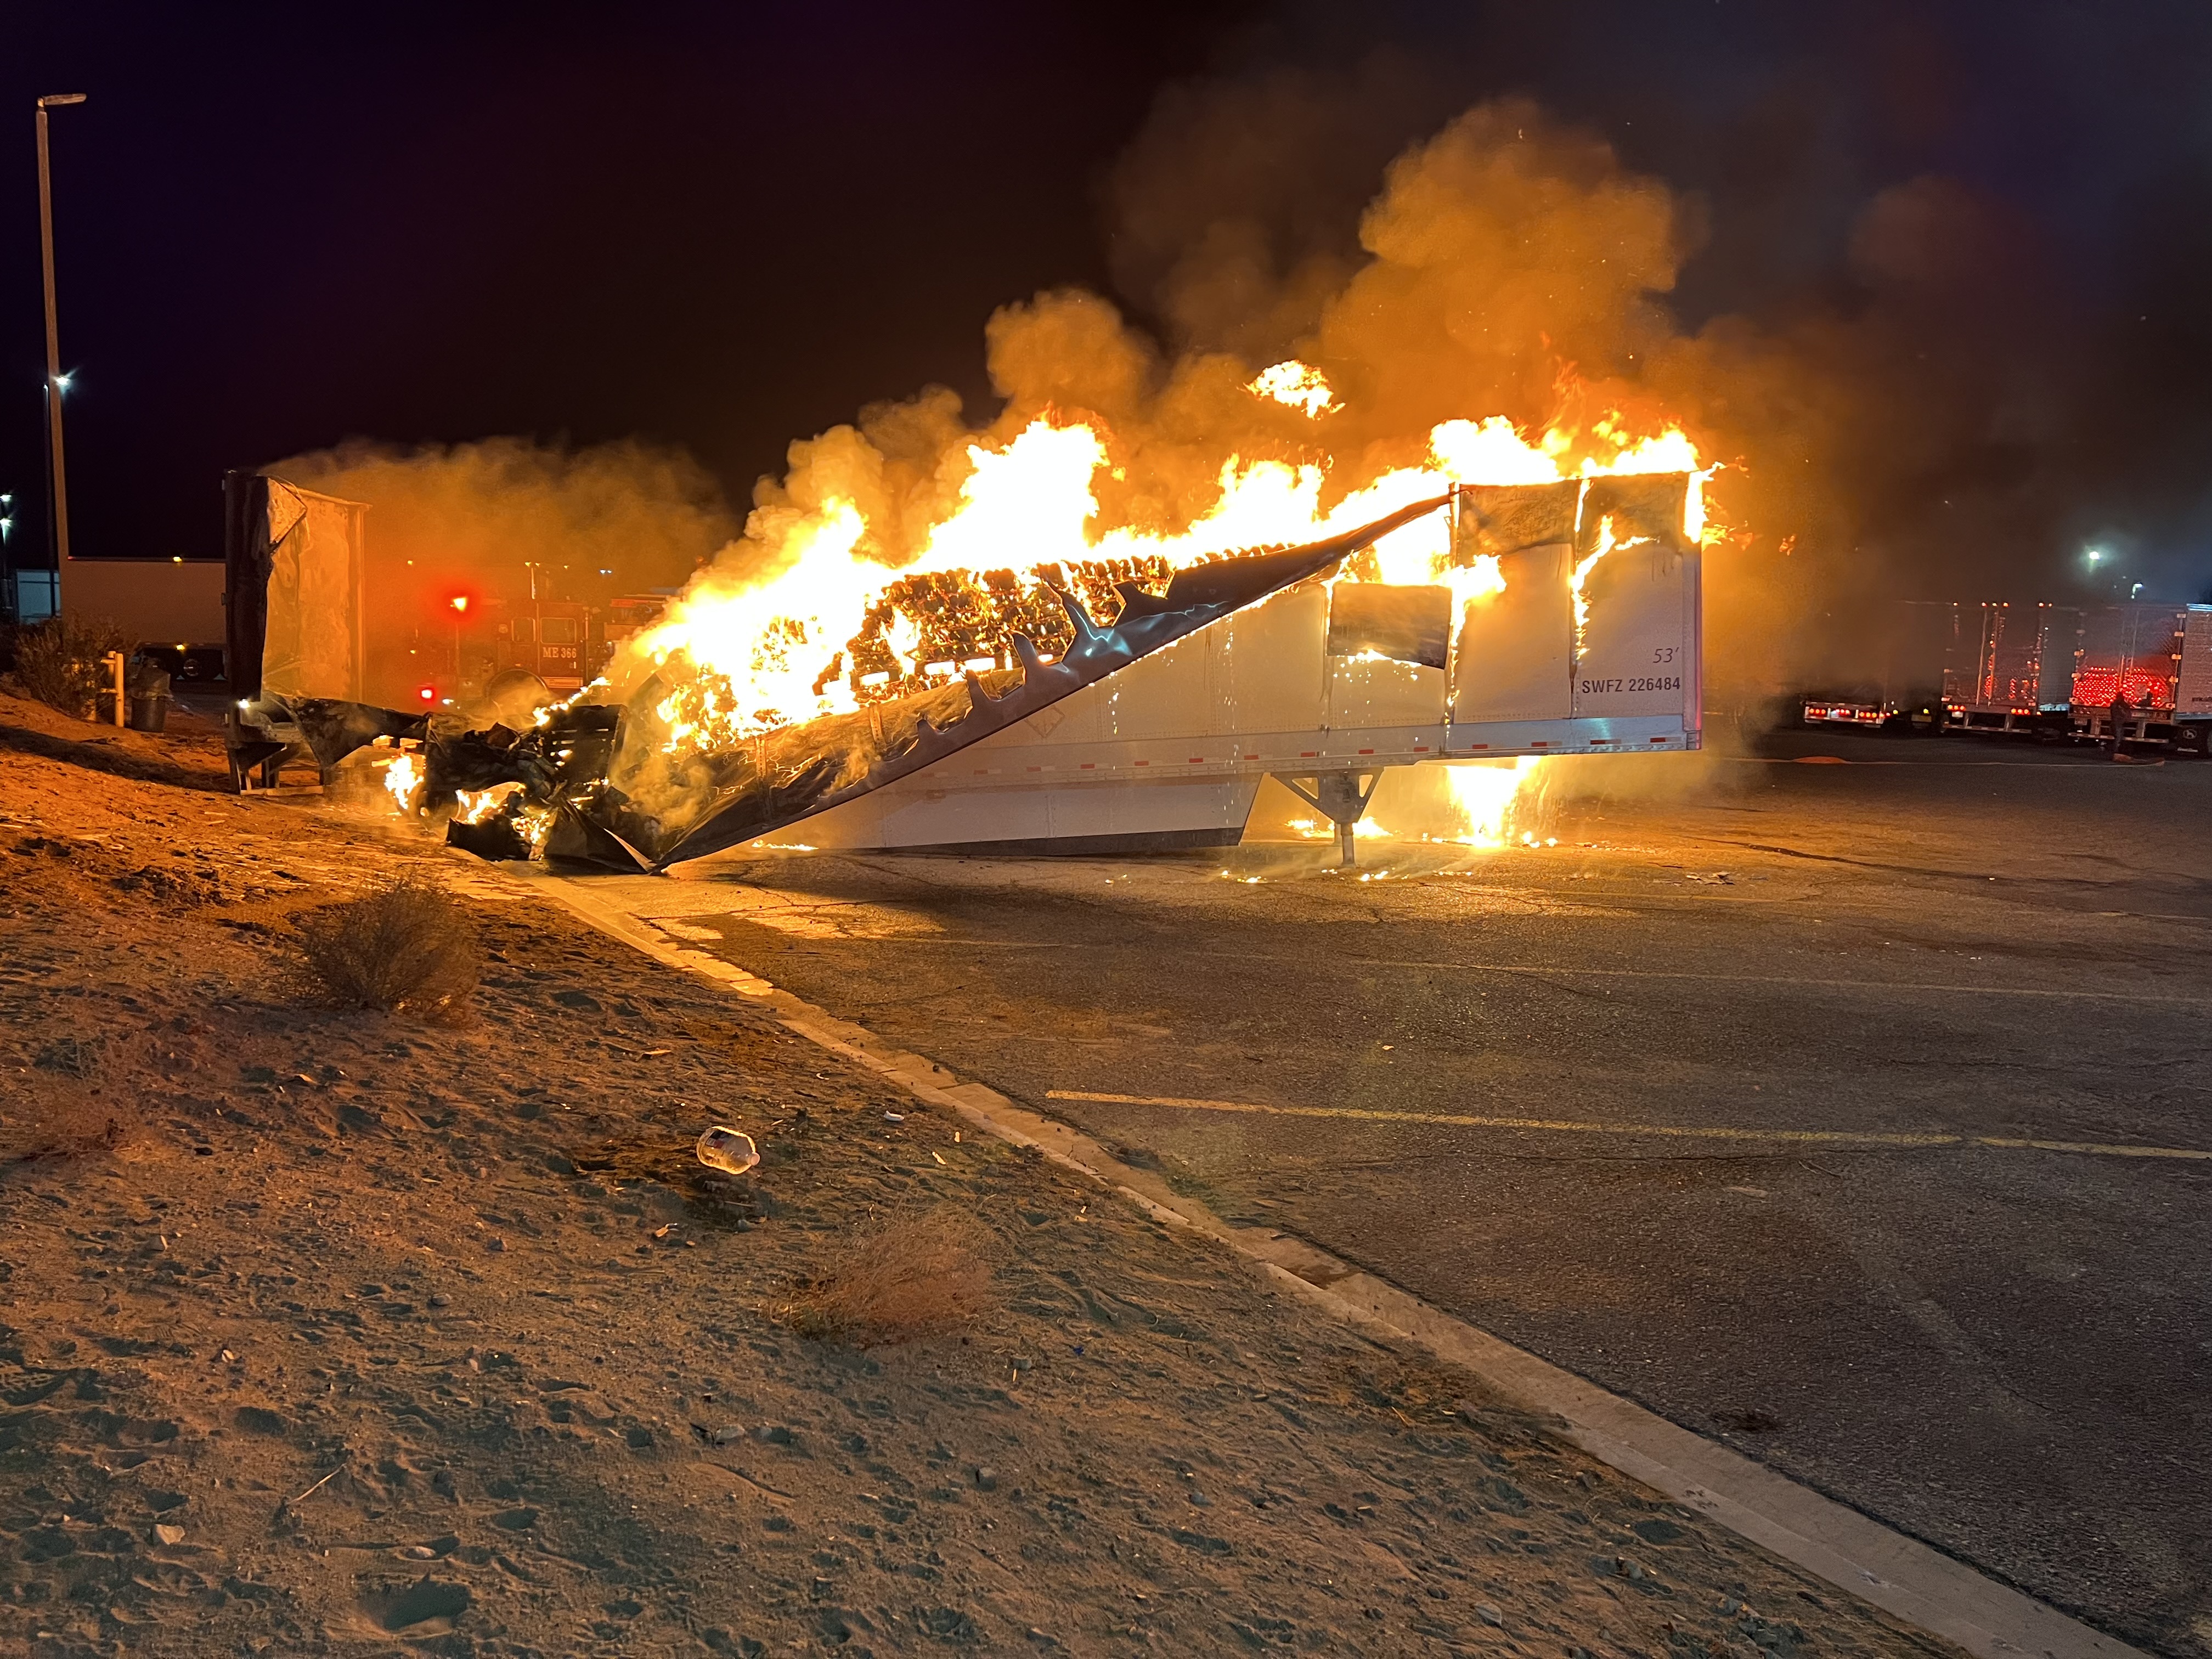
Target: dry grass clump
[912, 1277]
[57, 1129]
[407, 949]
[59, 663]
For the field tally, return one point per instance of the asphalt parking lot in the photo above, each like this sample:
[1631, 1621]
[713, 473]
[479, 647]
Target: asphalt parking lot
[1841, 1111]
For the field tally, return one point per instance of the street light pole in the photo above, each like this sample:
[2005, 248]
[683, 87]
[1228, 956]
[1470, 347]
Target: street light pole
[54, 343]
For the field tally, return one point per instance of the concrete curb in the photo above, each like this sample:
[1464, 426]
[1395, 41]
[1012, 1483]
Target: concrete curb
[1901, 1576]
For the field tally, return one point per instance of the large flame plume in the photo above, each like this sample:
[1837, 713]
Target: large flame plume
[817, 635]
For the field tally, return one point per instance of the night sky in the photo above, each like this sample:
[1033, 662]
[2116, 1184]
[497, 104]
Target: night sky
[724, 227]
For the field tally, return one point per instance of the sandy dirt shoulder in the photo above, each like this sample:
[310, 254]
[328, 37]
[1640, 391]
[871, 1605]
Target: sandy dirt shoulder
[328, 1332]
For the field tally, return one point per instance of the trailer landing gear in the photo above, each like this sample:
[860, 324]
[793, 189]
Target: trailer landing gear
[1339, 797]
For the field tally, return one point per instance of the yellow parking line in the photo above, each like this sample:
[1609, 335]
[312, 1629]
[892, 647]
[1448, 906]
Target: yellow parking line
[1818, 1137]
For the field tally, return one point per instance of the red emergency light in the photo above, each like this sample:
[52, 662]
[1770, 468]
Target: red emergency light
[428, 693]
[459, 602]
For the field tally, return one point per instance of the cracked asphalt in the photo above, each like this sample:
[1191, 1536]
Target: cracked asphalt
[2003, 1349]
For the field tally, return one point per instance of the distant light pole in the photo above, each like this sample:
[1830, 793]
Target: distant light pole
[53, 343]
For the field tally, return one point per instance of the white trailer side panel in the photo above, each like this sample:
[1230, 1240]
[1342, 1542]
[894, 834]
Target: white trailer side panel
[1513, 659]
[2192, 689]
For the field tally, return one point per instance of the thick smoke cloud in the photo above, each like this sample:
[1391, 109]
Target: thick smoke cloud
[1234, 213]
[478, 518]
[484, 509]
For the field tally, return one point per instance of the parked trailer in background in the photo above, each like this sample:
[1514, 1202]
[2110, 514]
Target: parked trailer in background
[1942, 662]
[2011, 668]
[2155, 661]
[1998, 667]
[171, 610]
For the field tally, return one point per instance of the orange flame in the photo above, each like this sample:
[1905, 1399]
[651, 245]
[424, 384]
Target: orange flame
[743, 657]
[402, 779]
[1297, 387]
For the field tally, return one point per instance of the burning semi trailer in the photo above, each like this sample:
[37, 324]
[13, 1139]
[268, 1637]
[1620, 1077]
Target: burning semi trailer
[1128, 695]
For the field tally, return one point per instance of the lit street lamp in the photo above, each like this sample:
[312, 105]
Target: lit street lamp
[55, 380]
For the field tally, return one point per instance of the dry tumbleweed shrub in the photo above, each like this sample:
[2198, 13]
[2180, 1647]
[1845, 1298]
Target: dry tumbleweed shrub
[60, 663]
[406, 949]
[918, 1276]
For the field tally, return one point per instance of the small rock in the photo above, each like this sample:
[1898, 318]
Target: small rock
[894, 1117]
[728, 1435]
[987, 1479]
[165, 1533]
[420, 1552]
[495, 1244]
[1488, 1614]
